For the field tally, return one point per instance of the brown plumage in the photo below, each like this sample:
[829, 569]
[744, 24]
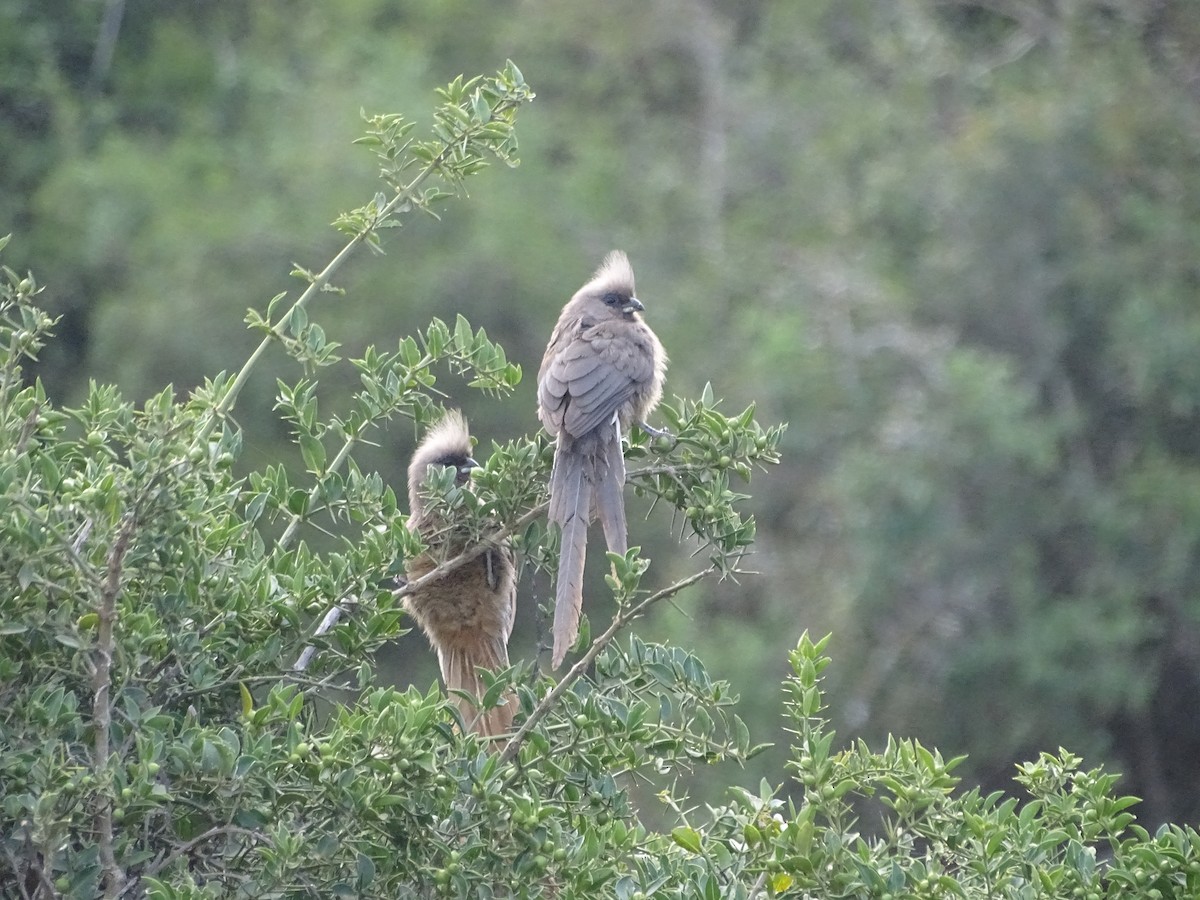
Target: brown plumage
[468, 614]
[603, 370]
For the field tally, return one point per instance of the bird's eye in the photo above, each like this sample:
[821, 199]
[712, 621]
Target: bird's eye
[611, 298]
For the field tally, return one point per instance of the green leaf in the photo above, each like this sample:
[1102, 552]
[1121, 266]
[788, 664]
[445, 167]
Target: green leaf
[327, 845]
[247, 700]
[365, 868]
[742, 735]
[157, 890]
[210, 758]
[254, 509]
[896, 879]
[687, 838]
[479, 106]
[297, 502]
[584, 639]
[297, 321]
[313, 452]
[464, 339]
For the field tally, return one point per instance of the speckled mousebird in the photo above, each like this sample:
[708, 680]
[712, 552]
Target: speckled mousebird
[468, 614]
[603, 370]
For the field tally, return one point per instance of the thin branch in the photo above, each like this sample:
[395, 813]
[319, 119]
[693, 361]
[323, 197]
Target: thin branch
[20, 882]
[111, 874]
[73, 551]
[44, 866]
[327, 623]
[336, 463]
[405, 194]
[758, 886]
[81, 536]
[669, 469]
[620, 620]
[188, 846]
[170, 665]
[28, 427]
[490, 542]
[106, 44]
[227, 402]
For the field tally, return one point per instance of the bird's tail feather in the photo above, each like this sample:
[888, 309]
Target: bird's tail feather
[459, 664]
[610, 496]
[570, 508]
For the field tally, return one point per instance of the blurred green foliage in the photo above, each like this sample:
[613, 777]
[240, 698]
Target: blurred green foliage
[951, 243]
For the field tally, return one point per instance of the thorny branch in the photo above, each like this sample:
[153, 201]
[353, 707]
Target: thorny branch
[620, 620]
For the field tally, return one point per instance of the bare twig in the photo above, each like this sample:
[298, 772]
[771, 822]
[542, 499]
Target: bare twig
[758, 886]
[327, 623]
[673, 469]
[110, 872]
[620, 620]
[82, 535]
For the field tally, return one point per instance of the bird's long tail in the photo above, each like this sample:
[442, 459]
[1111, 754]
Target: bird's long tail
[570, 508]
[610, 495]
[459, 664]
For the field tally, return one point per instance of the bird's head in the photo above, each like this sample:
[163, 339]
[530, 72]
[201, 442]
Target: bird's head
[448, 443]
[610, 293]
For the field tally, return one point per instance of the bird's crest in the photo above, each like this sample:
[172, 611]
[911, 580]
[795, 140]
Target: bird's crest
[614, 274]
[448, 439]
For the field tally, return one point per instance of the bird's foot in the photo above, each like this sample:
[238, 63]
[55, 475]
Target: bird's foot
[654, 432]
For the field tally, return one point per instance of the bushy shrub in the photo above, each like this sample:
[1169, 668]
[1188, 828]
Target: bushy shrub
[169, 644]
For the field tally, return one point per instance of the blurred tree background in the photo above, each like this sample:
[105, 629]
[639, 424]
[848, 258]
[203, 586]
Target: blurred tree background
[953, 242]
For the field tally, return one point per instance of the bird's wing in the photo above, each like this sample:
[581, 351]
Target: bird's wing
[594, 375]
[574, 361]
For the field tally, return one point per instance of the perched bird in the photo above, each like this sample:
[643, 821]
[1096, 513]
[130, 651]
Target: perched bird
[603, 370]
[468, 614]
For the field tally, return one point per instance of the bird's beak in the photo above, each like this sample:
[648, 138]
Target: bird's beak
[634, 305]
[463, 473]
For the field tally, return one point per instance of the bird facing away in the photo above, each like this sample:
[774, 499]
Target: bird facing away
[468, 614]
[603, 370]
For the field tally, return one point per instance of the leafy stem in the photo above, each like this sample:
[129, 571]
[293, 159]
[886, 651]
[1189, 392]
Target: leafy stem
[472, 119]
